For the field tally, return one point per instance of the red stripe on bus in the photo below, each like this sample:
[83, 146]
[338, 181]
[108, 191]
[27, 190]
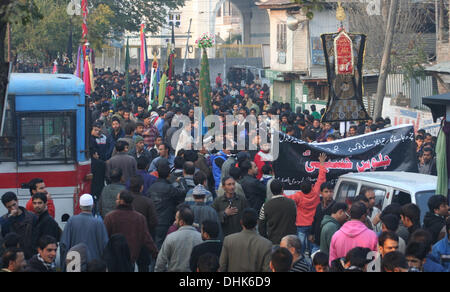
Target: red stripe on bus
[51, 179]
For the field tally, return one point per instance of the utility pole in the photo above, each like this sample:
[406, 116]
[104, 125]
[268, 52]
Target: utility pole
[187, 46]
[9, 41]
[384, 70]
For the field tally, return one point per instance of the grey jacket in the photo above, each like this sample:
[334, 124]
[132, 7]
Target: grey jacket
[125, 162]
[176, 250]
[246, 251]
[227, 166]
[107, 202]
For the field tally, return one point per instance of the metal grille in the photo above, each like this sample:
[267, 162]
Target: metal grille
[47, 138]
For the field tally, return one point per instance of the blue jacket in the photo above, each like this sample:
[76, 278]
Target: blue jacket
[217, 170]
[148, 180]
[431, 266]
[441, 253]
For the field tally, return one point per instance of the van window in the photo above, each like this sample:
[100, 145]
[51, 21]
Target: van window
[422, 202]
[402, 198]
[346, 192]
[47, 137]
[380, 194]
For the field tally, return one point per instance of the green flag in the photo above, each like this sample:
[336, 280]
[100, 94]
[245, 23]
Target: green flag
[441, 165]
[127, 67]
[162, 89]
[205, 86]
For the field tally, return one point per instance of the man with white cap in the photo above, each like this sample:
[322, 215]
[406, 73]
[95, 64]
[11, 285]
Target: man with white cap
[84, 228]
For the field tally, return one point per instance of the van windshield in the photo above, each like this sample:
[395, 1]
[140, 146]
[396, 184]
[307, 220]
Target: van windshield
[422, 202]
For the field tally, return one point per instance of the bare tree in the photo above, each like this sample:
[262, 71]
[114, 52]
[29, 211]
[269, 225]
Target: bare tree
[406, 28]
[384, 70]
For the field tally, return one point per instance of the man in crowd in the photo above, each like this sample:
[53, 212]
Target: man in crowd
[324, 208]
[84, 228]
[44, 260]
[434, 220]
[37, 185]
[306, 201]
[331, 224]
[353, 233]
[211, 243]
[166, 198]
[229, 207]
[107, 201]
[163, 154]
[246, 251]
[46, 225]
[299, 261]
[277, 216]
[255, 191]
[133, 225]
[13, 260]
[20, 221]
[281, 260]
[387, 242]
[177, 247]
[123, 161]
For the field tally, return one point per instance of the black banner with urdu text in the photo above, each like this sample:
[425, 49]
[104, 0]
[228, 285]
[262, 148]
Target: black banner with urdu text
[392, 149]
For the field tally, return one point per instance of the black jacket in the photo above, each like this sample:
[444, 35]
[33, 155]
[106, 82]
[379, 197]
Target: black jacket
[278, 219]
[255, 191]
[25, 226]
[318, 217]
[166, 198]
[36, 266]
[434, 224]
[213, 246]
[46, 225]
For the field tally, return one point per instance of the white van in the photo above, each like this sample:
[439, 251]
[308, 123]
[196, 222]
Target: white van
[389, 187]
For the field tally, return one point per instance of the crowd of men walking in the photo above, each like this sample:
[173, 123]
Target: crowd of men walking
[157, 206]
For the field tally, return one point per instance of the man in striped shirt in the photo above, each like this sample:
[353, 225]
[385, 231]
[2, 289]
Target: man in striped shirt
[299, 262]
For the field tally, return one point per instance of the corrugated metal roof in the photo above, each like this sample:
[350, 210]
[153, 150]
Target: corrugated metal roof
[443, 67]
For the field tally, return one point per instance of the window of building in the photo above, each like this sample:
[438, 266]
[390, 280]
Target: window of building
[281, 37]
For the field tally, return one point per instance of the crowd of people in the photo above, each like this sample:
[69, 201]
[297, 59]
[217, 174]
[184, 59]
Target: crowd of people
[159, 206]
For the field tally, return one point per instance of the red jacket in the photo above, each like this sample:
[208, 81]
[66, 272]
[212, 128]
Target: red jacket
[218, 81]
[260, 160]
[50, 207]
[307, 203]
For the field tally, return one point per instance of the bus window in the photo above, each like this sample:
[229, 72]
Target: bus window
[49, 137]
[8, 139]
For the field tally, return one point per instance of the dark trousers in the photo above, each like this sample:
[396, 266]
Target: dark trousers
[160, 234]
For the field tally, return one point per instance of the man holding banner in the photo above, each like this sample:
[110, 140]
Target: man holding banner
[306, 201]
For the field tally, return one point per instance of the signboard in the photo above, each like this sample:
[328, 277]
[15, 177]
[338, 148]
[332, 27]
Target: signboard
[343, 50]
[391, 149]
[317, 51]
[418, 118]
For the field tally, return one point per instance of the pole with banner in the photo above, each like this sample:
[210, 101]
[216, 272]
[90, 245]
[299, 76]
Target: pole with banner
[344, 56]
[127, 69]
[152, 80]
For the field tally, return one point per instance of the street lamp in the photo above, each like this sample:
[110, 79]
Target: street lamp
[74, 8]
